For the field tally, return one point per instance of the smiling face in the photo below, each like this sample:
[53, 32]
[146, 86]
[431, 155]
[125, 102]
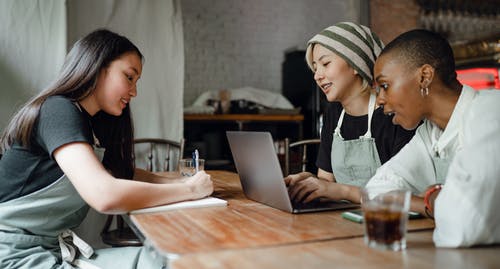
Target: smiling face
[117, 83]
[333, 75]
[398, 88]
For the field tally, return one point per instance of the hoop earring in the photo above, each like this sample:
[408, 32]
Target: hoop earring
[424, 91]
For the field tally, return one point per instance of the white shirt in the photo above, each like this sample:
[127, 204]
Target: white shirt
[465, 210]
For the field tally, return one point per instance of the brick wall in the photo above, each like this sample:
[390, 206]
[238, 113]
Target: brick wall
[390, 18]
[237, 43]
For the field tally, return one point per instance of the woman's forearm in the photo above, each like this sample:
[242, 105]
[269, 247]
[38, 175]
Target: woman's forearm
[350, 193]
[120, 195]
[417, 205]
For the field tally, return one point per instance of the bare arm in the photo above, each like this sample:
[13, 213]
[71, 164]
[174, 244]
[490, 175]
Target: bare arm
[340, 191]
[111, 195]
[417, 204]
[326, 175]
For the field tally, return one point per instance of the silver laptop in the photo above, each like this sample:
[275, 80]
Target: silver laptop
[261, 176]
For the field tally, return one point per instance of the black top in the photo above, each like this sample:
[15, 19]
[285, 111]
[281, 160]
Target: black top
[389, 138]
[22, 170]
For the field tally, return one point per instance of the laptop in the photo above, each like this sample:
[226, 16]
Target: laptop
[261, 176]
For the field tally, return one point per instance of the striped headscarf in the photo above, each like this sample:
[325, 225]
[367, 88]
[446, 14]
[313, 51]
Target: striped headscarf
[355, 43]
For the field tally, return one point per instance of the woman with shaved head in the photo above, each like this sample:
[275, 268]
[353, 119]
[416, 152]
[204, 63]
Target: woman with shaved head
[453, 158]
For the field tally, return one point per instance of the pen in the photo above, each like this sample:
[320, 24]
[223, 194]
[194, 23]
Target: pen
[196, 157]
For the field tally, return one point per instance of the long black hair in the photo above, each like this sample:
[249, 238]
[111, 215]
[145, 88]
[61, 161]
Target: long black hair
[76, 81]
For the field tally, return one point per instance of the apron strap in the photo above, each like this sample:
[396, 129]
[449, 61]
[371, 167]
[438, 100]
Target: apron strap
[339, 123]
[68, 250]
[371, 108]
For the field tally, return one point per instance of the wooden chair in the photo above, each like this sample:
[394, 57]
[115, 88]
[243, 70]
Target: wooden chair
[155, 162]
[301, 146]
[157, 145]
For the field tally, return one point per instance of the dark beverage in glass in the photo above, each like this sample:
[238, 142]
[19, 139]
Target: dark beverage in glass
[384, 226]
[385, 217]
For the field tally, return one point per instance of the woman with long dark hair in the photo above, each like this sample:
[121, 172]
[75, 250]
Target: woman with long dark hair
[70, 147]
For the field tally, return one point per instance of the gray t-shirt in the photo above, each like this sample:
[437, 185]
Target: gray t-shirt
[22, 170]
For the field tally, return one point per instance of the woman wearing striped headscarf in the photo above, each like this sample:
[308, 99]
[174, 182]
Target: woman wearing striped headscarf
[356, 137]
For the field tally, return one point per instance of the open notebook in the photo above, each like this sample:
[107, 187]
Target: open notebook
[204, 202]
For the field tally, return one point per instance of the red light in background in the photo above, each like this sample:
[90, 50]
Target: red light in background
[480, 78]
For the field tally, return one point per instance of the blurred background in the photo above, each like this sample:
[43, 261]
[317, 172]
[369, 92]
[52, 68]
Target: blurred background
[220, 65]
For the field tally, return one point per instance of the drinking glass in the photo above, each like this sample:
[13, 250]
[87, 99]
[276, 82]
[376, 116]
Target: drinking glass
[385, 217]
[187, 167]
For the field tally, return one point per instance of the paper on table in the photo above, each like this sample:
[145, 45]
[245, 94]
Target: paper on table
[205, 202]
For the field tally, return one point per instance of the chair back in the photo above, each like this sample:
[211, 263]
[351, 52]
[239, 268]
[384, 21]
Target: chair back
[301, 147]
[158, 155]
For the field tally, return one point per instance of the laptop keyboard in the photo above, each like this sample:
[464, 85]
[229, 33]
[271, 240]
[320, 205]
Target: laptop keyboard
[312, 204]
[318, 204]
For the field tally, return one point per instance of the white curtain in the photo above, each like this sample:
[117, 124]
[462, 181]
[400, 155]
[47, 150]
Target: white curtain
[32, 50]
[155, 26]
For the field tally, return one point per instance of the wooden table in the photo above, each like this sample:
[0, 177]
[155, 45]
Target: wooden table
[347, 253]
[243, 225]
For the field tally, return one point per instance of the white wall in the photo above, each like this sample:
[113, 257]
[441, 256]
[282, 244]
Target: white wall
[236, 43]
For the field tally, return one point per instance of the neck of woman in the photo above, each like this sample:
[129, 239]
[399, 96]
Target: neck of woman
[441, 104]
[357, 103]
[89, 104]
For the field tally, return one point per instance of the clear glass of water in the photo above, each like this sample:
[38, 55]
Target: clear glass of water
[187, 167]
